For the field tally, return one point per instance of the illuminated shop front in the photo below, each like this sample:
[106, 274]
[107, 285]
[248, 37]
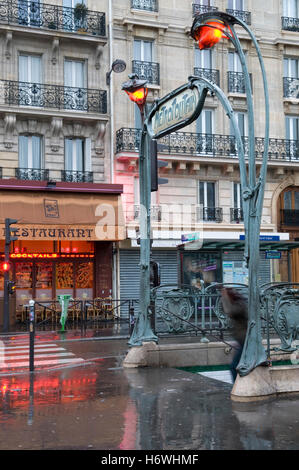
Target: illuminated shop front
[58, 250]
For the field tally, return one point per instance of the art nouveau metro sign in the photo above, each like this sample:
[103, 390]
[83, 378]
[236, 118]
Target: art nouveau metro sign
[177, 109]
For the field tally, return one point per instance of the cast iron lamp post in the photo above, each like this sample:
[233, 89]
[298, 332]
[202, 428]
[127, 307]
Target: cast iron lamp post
[137, 91]
[208, 29]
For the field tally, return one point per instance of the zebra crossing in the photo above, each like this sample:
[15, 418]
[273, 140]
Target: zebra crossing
[14, 357]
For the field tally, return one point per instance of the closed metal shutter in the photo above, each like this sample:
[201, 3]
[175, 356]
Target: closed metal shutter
[264, 268]
[130, 271]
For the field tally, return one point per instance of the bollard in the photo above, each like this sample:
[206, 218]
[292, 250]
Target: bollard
[31, 334]
[131, 318]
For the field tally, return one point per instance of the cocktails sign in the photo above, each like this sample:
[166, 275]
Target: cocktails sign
[177, 109]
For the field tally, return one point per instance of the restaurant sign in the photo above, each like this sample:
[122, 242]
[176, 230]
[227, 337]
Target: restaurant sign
[177, 109]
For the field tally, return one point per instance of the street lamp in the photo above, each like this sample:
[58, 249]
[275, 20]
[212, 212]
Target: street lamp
[208, 29]
[137, 91]
[118, 66]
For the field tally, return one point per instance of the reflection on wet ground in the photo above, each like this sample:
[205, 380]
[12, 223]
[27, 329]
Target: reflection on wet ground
[102, 406]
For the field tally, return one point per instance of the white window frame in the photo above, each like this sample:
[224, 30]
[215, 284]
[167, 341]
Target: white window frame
[290, 8]
[203, 57]
[86, 158]
[29, 165]
[237, 204]
[288, 69]
[205, 201]
[143, 43]
[234, 5]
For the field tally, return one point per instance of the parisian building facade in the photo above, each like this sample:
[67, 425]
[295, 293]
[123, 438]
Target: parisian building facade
[68, 133]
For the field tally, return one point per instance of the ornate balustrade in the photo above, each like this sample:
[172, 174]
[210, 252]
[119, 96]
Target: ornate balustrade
[148, 5]
[149, 71]
[241, 14]
[290, 24]
[36, 174]
[236, 82]
[199, 9]
[290, 87]
[77, 176]
[210, 74]
[53, 17]
[52, 96]
[211, 145]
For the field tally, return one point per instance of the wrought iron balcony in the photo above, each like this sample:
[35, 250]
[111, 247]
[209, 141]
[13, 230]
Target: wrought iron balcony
[199, 9]
[149, 71]
[290, 24]
[240, 14]
[210, 74]
[290, 87]
[77, 176]
[53, 96]
[236, 215]
[54, 17]
[30, 174]
[210, 214]
[210, 145]
[236, 82]
[1, 173]
[290, 217]
[148, 5]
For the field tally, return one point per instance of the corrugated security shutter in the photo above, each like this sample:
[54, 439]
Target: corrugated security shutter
[129, 272]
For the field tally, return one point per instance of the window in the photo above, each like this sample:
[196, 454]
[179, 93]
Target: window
[204, 129]
[290, 8]
[203, 58]
[236, 5]
[30, 77]
[143, 50]
[75, 82]
[290, 68]
[77, 155]
[143, 63]
[207, 194]
[30, 151]
[71, 22]
[292, 136]
[237, 196]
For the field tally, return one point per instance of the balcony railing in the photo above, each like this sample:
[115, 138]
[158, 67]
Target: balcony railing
[210, 74]
[149, 71]
[236, 215]
[290, 24]
[199, 9]
[148, 5]
[52, 96]
[240, 14]
[77, 176]
[210, 214]
[210, 145]
[290, 217]
[236, 82]
[30, 174]
[290, 87]
[53, 17]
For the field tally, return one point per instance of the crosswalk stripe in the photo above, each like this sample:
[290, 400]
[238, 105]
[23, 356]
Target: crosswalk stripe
[39, 356]
[24, 350]
[42, 363]
[26, 345]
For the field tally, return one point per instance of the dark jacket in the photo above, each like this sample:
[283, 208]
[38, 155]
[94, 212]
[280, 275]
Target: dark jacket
[235, 307]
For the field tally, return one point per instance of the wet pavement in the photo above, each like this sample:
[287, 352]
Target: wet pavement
[98, 405]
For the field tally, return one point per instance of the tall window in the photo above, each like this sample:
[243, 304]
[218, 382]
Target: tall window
[30, 76]
[71, 22]
[290, 67]
[75, 82]
[290, 8]
[30, 151]
[205, 130]
[77, 154]
[143, 50]
[236, 5]
[203, 58]
[207, 194]
[292, 136]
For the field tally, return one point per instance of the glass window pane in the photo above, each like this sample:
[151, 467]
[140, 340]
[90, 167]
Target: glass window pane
[201, 193]
[287, 200]
[64, 278]
[84, 281]
[36, 152]
[23, 282]
[44, 276]
[210, 195]
[296, 200]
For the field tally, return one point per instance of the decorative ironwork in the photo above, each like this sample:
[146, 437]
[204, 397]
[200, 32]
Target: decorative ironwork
[290, 24]
[236, 82]
[210, 74]
[210, 214]
[77, 176]
[241, 15]
[211, 145]
[148, 5]
[54, 96]
[290, 87]
[236, 215]
[199, 9]
[32, 174]
[42, 15]
[280, 305]
[149, 71]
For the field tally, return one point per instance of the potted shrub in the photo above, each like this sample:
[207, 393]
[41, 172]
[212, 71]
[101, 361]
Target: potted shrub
[80, 12]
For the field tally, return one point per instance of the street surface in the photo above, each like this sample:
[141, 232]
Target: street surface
[80, 397]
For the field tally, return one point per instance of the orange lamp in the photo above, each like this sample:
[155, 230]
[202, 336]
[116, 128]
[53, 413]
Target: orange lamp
[137, 90]
[5, 266]
[138, 96]
[209, 33]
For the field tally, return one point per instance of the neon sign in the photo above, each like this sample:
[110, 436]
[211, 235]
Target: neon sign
[49, 255]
